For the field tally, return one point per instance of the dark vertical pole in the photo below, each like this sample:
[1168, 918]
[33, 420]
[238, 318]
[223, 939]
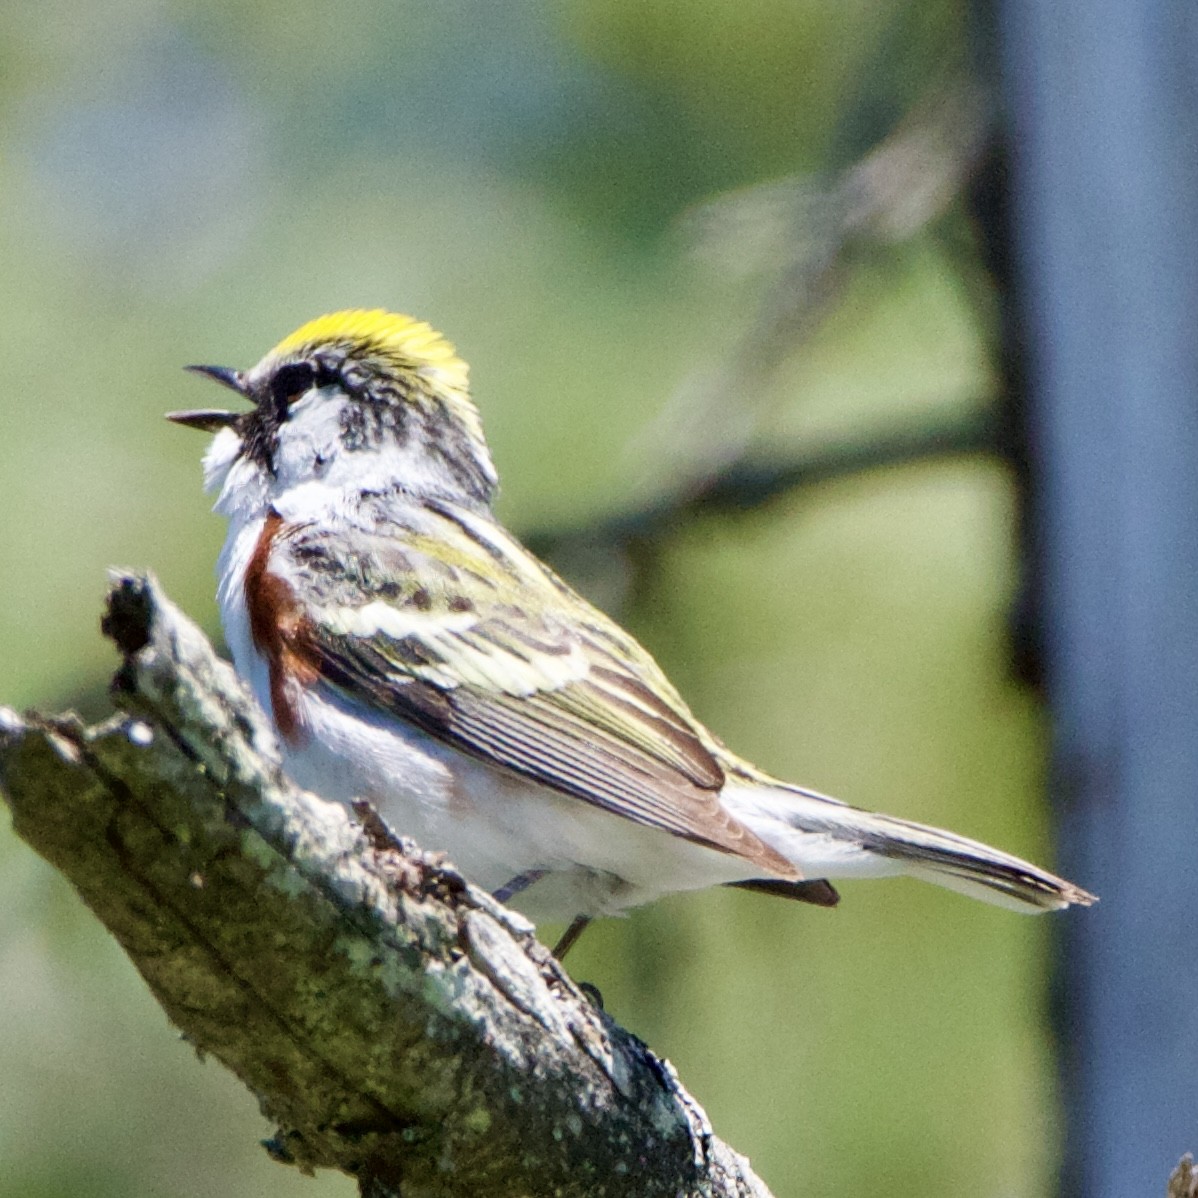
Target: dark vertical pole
[1102, 97]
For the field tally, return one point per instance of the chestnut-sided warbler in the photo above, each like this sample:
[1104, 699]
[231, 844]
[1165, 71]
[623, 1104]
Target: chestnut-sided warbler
[413, 654]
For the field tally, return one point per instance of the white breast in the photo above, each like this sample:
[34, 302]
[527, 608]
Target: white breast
[495, 825]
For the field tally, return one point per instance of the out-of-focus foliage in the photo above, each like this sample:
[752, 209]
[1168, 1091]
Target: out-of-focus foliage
[188, 182]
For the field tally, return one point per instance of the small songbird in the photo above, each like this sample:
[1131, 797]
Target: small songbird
[413, 654]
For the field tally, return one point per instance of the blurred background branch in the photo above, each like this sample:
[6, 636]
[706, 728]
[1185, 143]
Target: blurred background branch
[745, 485]
[799, 239]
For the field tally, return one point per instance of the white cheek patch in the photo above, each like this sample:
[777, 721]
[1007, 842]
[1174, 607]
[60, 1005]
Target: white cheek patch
[311, 438]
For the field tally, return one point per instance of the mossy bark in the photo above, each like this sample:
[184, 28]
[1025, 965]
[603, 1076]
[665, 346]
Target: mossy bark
[392, 1020]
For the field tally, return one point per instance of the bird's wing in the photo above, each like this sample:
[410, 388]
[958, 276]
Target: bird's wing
[470, 638]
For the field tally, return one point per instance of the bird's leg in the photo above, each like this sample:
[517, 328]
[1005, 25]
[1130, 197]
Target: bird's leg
[570, 936]
[518, 885]
[562, 947]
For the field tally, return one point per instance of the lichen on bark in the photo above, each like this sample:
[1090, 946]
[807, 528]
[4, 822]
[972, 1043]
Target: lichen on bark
[394, 1021]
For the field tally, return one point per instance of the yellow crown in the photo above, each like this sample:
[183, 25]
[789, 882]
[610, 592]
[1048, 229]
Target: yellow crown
[408, 343]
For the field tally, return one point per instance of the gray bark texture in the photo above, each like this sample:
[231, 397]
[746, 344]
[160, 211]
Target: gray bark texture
[1184, 1180]
[392, 1020]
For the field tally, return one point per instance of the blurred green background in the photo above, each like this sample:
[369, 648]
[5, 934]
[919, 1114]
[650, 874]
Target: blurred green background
[188, 182]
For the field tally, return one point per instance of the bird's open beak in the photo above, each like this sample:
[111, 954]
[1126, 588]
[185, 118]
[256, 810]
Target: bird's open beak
[212, 420]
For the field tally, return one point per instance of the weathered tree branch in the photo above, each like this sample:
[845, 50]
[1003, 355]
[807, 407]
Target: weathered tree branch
[393, 1020]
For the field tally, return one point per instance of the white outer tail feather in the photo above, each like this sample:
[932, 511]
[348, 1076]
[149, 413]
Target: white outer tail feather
[828, 839]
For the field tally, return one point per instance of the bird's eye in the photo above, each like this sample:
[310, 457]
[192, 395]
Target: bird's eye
[290, 382]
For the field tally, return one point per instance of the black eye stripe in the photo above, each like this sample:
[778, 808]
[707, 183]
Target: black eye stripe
[289, 382]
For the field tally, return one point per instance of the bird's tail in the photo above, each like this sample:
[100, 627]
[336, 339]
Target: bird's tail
[828, 839]
[973, 868]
